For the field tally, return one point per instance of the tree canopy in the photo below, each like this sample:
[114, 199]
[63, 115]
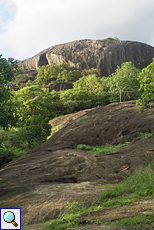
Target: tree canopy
[90, 83]
[8, 68]
[59, 73]
[146, 80]
[33, 100]
[125, 79]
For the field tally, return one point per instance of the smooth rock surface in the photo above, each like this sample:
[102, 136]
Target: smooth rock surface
[86, 54]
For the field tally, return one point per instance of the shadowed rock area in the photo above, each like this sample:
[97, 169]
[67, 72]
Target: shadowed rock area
[42, 181]
[86, 54]
[57, 86]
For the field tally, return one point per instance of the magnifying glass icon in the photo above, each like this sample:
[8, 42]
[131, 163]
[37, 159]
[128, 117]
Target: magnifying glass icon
[9, 217]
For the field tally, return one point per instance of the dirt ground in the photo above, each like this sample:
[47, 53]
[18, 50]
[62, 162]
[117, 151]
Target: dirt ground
[42, 181]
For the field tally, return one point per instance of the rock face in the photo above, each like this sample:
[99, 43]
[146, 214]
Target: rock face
[86, 54]
[57, 86]
[42, 181]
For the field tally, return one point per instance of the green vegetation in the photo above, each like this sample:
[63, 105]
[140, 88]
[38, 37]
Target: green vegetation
[146, 134]
[5, 154]
[91, 83]
[81, 118]
[33, 100]
[136, 221]
[17, 141]
[24, 116]
[23, 78]
[92, 71]
[8, 68]
[69, 219]
[29, 106]
[54, 128]
[59, 73]
[99, 150]
[125, 79]
[139, 184]
[109, 38]
[146, 80]
[35, 130]
[135, 188]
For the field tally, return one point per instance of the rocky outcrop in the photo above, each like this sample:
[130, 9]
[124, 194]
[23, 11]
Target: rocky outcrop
[42, 181]
[86, 54]
[57, 86]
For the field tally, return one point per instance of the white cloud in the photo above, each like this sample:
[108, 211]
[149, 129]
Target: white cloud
[40, 24]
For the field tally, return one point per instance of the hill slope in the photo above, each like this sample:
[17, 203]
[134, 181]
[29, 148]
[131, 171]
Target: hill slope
[43, 180]
[86, 54]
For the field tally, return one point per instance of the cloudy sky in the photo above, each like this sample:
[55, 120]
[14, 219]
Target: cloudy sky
[29, 26]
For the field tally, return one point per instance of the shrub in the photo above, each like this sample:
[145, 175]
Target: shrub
[36, 130]
[5, 155]
[98, 150]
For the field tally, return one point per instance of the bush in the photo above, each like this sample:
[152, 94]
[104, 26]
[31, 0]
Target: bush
[33, 131]
[59, 73]
[5, 155]
[146, 80]
[36, 130]
[77, 99]
[99, 150]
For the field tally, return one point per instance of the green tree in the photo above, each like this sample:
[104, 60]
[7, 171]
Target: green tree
[46, 74]
[23, 78]
[59, 73]
[75, 100]
[95, 87]
[33, 100]
[78, 99]
[90, 83]
[67, 73]
[30, 133]
[125, 79]
[91, 71]
[36, 130]
[8, 68]
[146, 80]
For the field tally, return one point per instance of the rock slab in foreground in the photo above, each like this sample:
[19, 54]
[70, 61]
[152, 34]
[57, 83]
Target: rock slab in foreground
[42, 181]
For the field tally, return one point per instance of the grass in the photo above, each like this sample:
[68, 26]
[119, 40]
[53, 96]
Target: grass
[137, 187]
[99, 150]
[136, 221]
[81, 118]
[146, 134]
[70, 219]
[53, 130]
